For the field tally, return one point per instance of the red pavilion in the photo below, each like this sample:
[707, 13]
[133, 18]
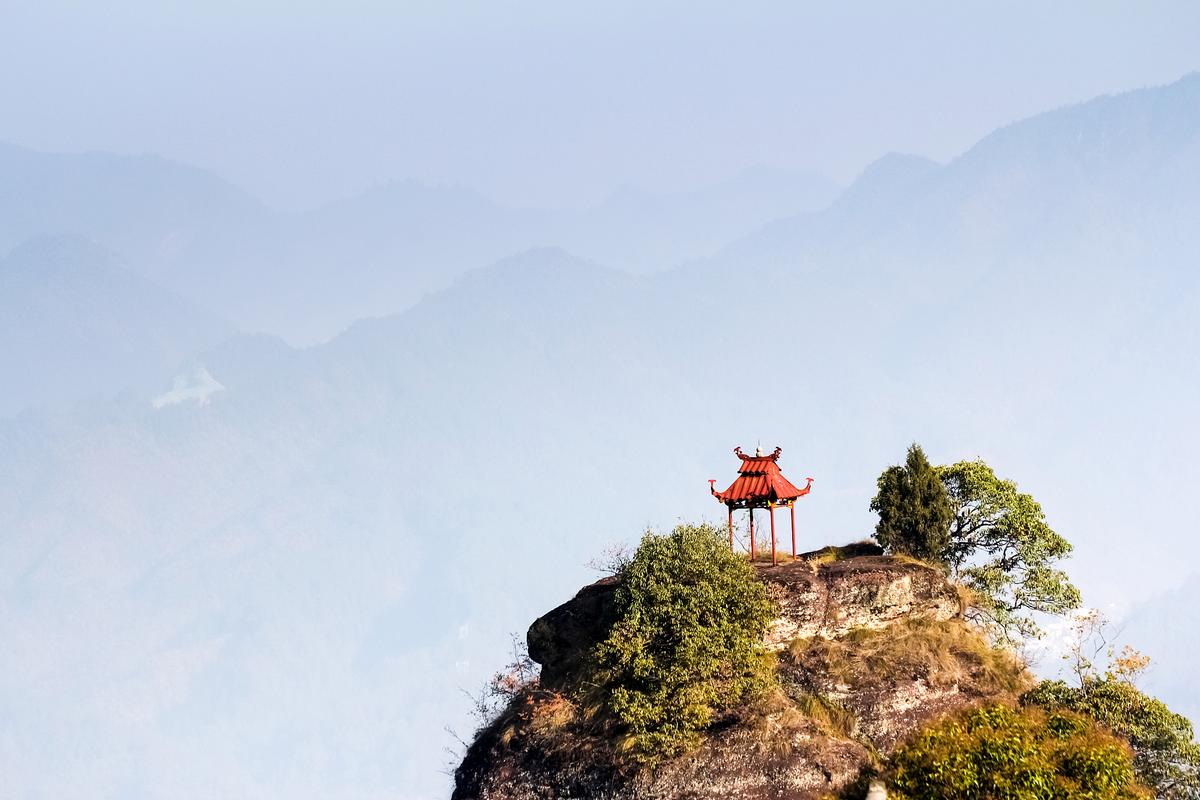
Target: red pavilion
[760, 484]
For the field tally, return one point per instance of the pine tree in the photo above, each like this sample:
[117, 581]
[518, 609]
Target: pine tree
[914, 509]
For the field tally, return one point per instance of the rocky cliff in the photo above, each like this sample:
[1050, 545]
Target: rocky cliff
[870, 648]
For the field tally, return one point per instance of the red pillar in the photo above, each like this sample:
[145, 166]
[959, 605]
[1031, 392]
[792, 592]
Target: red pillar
[752, 534]
[792, 508]
[774, 555]
[731, 529]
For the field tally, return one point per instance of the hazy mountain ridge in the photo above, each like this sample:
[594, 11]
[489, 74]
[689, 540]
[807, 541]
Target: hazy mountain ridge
[1119, 162]
[144, 207]
[308, 275]
[77, 324]
[661, 230]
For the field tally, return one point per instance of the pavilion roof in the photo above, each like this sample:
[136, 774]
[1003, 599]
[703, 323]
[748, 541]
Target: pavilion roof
[760, 481]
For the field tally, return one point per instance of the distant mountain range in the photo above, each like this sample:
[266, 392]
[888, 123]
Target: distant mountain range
[306, 276]
[183, 571]
[77, 324]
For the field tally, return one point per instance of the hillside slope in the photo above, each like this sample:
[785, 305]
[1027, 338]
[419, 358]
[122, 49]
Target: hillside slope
[77, 324]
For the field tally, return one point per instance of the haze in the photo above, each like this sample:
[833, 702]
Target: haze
[557, 104]
[334, 343]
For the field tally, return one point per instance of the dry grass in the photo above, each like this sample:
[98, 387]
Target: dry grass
[903, 558]
[552, 713]
[831, 717]
[772, 712]
[779, 721]
[833, 553]
[547, 716]
[967, 598]
[827, 555]
[763, 553]
[941, 653]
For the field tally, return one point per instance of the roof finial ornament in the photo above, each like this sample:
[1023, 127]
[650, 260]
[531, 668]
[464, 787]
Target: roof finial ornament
[758, 452]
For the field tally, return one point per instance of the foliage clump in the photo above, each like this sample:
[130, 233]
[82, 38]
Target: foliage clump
[914, 509]
[686, 644]
[1016, 754]
[988, 536]
[1166, 757]
[1002, 549]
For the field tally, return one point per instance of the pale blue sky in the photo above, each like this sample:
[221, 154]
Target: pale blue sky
[554, 103]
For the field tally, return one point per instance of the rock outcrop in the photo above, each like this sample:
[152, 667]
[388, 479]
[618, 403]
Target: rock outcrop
[867, 592]
[870, 649]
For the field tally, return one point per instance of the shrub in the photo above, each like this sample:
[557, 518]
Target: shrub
[1166, 757]
[518, 678]
[686, 644]
[914, 509]
[1015, 754]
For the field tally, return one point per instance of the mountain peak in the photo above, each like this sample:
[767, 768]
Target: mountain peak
[850, 623]
[1154, 121]
[886, 181]
[892, 171]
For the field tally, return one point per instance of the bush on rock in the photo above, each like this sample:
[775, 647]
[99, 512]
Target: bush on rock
[686, 645]
[1016, 754]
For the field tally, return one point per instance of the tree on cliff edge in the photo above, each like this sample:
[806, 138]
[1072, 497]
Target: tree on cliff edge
[914, 509]
[1002, 549]
[987, 535]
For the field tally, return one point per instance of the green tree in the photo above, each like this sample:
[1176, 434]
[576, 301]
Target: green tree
[1015, 754]
[686, 644]
[1002, 549]
[1166, 756]
[914, 510]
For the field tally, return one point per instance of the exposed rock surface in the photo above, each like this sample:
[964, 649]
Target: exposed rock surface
[860, 592]
[870, 649]
[865, 590]
[734, 762]
[562, 638]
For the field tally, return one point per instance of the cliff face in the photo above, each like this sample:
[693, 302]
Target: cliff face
[870, 649]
